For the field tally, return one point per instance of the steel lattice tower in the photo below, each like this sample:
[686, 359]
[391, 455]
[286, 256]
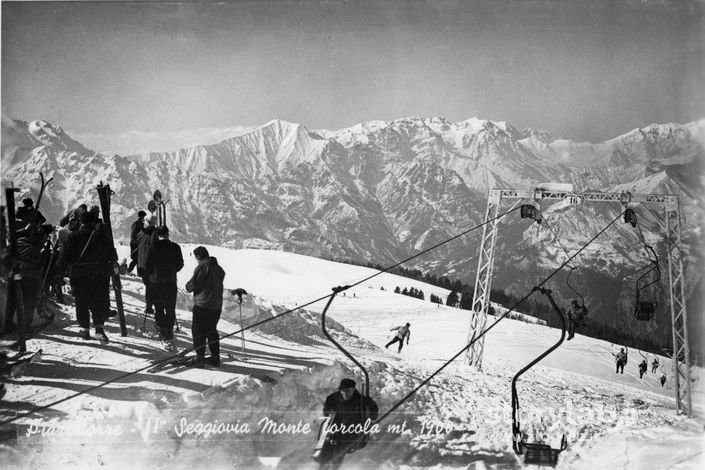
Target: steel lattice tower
[670, 207]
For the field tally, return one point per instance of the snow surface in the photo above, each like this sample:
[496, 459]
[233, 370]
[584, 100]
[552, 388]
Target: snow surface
[461, 419]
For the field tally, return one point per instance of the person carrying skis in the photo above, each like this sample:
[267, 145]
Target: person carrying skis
[207, 287]
[642, 368]
[88, 256]
[28, 214]
[28, 266]
[144, 240]
[135, 229]
[654, 365]
[164, 260]
[621, 358]
[402, 332]
[347, 408]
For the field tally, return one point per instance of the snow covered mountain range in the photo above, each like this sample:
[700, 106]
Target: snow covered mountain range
[382, 191]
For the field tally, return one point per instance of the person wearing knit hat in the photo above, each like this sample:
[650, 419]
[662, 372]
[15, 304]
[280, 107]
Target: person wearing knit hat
[28, 214]
[350, 414]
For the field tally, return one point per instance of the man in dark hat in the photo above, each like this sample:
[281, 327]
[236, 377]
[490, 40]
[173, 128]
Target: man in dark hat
[27, 214]
[135, 229]
[207, 287]
[348, 410]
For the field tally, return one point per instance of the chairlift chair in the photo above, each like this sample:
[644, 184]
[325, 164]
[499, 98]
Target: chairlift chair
[531, 211]
[583, 308]
[536, 453]
[360, 443]
[630, 217]
[644, 309]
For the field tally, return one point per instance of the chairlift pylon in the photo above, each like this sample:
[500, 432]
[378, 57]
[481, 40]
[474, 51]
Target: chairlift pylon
[536, 453]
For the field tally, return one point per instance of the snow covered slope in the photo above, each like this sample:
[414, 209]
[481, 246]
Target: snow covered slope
[261, 408]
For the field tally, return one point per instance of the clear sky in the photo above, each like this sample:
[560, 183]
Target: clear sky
[583, 69]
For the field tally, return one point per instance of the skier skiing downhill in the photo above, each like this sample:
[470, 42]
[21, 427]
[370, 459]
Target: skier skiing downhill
[402, 332]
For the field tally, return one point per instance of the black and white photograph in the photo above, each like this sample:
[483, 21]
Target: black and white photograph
[339, 234]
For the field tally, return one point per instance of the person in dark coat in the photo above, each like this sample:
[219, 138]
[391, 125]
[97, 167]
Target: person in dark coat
[88, 256]
[72, 219]
[207, 287]
[135, 229]
[28, 214]
[348, 408]
[654, 365]
[144, 241]
[164, 260]
[27, 272]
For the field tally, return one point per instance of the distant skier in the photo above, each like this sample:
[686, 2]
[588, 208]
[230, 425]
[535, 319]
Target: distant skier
[207, 287]
[654, 366]
[348, 408]
[144, 240]
[135, 229]
[402, 332]
[164, 260]
[576, 317]
[643, 367]
[621, 358]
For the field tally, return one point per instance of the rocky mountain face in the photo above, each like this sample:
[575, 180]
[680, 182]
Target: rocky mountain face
[382, 191]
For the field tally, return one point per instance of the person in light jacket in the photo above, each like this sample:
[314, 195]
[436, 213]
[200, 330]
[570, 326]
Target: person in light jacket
[402, 332]
[206, 284]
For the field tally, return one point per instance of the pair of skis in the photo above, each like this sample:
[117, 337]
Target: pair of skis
[104, 194]
[14, 366]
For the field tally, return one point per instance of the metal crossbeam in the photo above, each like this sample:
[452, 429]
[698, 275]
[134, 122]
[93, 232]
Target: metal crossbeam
[671, 210]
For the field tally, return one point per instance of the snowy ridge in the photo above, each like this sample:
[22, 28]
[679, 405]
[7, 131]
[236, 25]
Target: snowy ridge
[380, 191]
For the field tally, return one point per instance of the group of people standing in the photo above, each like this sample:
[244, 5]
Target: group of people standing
[83, 251]
[158, 260]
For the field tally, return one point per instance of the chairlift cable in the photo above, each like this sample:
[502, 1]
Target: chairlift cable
[425, 381]
[556, 239]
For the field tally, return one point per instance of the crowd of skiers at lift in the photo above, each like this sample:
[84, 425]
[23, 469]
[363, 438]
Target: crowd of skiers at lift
[82, 250]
